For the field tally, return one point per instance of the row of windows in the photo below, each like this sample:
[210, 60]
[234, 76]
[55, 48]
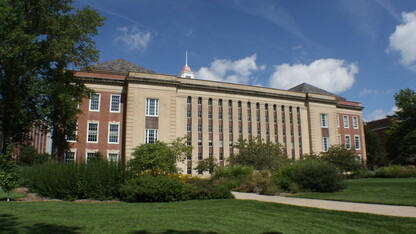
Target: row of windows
[71, 156]
[357, 143]
[114, 102]
[324, 121]
[93, 132]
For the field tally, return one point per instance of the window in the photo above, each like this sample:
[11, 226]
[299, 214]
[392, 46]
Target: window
[69, 156]
[113, 132]
[220, 129]
[220, 143]
[258, 131]
[209, 128]
[189, 100]
[355, 122]
[258, 106]
[221, 156]
[248, 105]
[188, 127]
[357, 142]
[189, 114]
[72, 138]
[199, 156]
[92, 135]
[151, 136]
[348, 142]
[210, 101]
[239, 104]
[324, 120]
[230, 130]
[112, 157]
[199, 127]
[210, 143]
[199, 114]
[210, 115]
[189, 170]
[249, 130]
[199, 142]
[240, 117]
[220, 115]
[115, 103]
[199, 101]
[325, 144]
[358, 158]
[92, 156]
[346, 122]
[152, 107]
[220, 102]
[95, 102]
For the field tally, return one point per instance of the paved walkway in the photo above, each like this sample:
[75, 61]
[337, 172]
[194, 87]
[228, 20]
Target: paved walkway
[390, 210]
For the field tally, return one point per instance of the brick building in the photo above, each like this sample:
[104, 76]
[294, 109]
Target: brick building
[134, 105]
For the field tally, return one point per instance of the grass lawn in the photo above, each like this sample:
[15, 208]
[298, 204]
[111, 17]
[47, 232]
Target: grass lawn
[13, 195]
[394, 191]
[209, 216]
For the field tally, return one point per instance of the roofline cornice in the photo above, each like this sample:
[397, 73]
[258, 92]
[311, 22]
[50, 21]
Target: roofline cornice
[350, 107]
[96, 80]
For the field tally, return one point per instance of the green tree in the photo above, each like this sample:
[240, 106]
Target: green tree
[344, 159]
[375, 156]
[9, 173]
[159, 155]
[40, 40]
[259, 154]
[208, 164]
[401, 136]
[29, 156]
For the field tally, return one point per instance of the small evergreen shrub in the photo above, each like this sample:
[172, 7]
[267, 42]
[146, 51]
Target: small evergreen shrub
[310, 175]
[205, 189]
[395, 171]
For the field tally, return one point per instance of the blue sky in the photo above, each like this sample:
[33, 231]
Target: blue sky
[363, 50]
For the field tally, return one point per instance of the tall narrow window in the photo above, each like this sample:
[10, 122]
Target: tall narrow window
[325, 144]
[115, 103]
[324, 120]
[346, 122]
[210, 101]
[189, 100]
[357, 142]
[152, 107]
[95, 102]
[113, 133]
[151, 136]
[347, 142]
[355, 122]
[92, 135]
[199, 101]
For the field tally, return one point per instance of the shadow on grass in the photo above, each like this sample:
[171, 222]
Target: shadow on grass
[10, 224]
[186, 232]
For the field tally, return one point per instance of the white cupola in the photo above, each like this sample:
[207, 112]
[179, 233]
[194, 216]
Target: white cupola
[186, 70]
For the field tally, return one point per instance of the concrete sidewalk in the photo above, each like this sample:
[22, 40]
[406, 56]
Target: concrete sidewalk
[390, 210]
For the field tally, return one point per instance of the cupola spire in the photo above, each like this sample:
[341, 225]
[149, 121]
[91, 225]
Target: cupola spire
[186, 71]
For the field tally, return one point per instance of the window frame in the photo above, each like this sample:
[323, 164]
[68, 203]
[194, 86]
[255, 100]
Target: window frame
[74, 151]
[156, 107]
[111, 103]
[118, 132]
[108, 157]
[90, 152]
[146, 135]
[324, 120]
[98, 104]
[325, 144]
[347, 146]
[88, 131]
[355, 122]
[355, 142]
[347, 122]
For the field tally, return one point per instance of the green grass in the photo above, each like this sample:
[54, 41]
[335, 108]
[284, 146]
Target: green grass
[209, 216]
[393, 191]
[13, 195]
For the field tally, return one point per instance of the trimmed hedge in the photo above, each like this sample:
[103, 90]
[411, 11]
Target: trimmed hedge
[395, 171]
[310, 176]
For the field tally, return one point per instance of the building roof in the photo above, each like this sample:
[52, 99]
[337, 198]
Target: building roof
[307, 88]
[118, 66]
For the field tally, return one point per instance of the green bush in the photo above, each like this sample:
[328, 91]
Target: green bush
[395, 171]
[146, 188]
[310, 175]
[232, 177]
[29, 156]
[164, 188]
[98, 179]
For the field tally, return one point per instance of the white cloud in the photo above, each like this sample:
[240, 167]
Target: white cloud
[133, 38]
[333, 75]
[403, 40]
[379, 114]
[238, 71]
[366, 92]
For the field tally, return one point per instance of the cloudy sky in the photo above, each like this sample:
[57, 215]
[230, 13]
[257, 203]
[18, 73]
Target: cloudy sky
[363, 50]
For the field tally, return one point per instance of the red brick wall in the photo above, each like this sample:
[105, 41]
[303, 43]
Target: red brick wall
[351, 131]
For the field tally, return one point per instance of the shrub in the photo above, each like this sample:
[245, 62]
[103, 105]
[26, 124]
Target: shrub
[310, 175]
[29, 156]
[159, 155]
[259, 154]
[206, 189]
[342, 158]
[395, 171]
[98, 179]
[146, 188]
[231, 177]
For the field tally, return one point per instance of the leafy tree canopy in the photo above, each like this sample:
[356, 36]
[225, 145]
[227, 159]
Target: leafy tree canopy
[401, 136]
[259, 154]
[344, 159]
[375, 156]
[159, 155]
[9, 173]
[39, 41]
